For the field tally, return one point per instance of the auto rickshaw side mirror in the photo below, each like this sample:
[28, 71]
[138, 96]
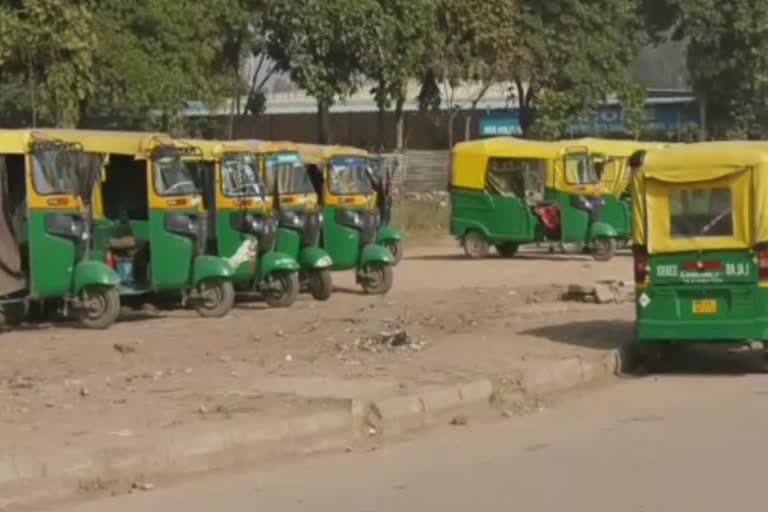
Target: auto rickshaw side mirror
[637, 159]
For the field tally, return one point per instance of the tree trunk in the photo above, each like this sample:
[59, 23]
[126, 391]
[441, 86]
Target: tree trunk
[322, 122]
[468, 125]
[451, 118]
[399, 125]
[380, 136]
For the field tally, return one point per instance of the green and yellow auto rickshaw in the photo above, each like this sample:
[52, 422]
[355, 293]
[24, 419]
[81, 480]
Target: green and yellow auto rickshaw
[611, 161]
[149, 224]
[506, 192]
[241, 223]
[45, 231]
[700, 242]
[387, 235]
[351, 221]
[300, 219]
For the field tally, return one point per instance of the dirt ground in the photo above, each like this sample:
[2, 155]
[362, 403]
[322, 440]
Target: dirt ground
[447, 319]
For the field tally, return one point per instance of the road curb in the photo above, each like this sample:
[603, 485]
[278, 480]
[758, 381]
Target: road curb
[31, 480]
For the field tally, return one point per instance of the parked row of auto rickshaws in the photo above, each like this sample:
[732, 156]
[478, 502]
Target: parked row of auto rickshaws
[696, 216]
[95, 220]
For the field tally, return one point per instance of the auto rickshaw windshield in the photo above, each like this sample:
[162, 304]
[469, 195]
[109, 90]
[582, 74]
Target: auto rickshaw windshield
[54, 171]
[172, 177]
[240, 175]
[579, 169]
[289, 174]
[349, 176]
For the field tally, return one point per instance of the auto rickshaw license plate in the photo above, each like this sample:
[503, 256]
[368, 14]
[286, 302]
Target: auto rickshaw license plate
[704, 307]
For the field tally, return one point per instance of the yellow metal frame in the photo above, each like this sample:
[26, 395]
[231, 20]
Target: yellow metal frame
[320, 155]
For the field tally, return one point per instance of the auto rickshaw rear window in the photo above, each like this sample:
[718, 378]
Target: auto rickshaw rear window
[517, 177]
[171, 176]
[349, 176]
[240, 176]
[54, 171]
[698, 213]
[579, 170]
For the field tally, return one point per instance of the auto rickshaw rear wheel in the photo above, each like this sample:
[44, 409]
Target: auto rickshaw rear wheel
[396, 248]
[507, 249]
[476, 245]
[282, 289]
[99, 307]
[216, 298]
[377, 279]
[603, 249]
[320, 284]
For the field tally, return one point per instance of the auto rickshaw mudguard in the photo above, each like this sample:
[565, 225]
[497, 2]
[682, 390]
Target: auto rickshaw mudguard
[211, 267]
[602, 230]
[389, 234]
[315, 258]
[94, 273]
[274, 261]
[375, 253]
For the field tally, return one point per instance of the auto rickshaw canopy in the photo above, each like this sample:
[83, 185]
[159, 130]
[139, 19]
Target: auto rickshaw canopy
[139, 144]
[269, 146]
[317, 154]
[471, 159]
[213, 149]
[19, 141]
[737, 170]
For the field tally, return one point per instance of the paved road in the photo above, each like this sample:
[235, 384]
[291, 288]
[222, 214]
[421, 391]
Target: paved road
[668, 444]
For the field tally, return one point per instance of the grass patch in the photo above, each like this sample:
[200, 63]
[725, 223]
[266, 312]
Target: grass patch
[421, 218]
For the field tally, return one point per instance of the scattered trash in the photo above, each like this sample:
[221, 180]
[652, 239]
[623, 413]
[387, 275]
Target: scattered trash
[84, 392]
[225, 359]
[603, 292]
[386, 341]
[124, 348]
[279, 333]
[143, 486]
[460, 420]
[202, 409]
[289, 358]
[123, 433]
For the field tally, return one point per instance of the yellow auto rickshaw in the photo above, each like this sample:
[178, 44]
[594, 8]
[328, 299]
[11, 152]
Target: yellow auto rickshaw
[506, 192]
[700, 242]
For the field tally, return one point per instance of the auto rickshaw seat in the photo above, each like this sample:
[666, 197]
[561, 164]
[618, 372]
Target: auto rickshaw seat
[124, 243]
[549, 214]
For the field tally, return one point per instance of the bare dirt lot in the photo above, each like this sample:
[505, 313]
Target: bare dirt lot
[448, 319]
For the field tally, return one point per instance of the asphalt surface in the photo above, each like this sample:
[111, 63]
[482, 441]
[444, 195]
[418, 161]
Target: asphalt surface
[672, 443]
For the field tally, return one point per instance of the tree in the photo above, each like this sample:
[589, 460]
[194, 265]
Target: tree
[47, 49]
[154, 55]
[396, 56]
[323, 45]
[632, 98]
[582, 49]
[466, 47]
[728, 63]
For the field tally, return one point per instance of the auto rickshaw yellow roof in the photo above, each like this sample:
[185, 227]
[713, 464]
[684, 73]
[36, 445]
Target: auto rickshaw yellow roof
[318, 154]
[703, 161]
[113, 142]
[269, 146]
[510, 147]
[213, 149]
[615, 147]
[18, 141]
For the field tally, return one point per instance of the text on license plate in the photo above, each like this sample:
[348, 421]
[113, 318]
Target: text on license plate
[704, 307]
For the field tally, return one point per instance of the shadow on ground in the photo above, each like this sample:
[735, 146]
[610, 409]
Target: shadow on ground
[690, 360]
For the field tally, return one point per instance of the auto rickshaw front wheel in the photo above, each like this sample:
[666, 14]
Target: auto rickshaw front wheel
[507, 249]
[99, 307]
[282, 289]
[603, 249]
[475, 244]
[377, 279]
[320, 284]
[216, 298]
[396, 248]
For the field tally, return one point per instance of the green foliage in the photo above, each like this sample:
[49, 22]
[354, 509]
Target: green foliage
[553, 111]
[580, 48]
[632, 98]
[727, 48]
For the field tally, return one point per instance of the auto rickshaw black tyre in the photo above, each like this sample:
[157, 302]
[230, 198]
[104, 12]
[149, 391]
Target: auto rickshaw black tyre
[321, 284]
[108, 307]
[507, 249]
[603, 249]
[396, 248]
[379, 279]
[287, 292]
[13, 314]
[475, 244]
[222, 298]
